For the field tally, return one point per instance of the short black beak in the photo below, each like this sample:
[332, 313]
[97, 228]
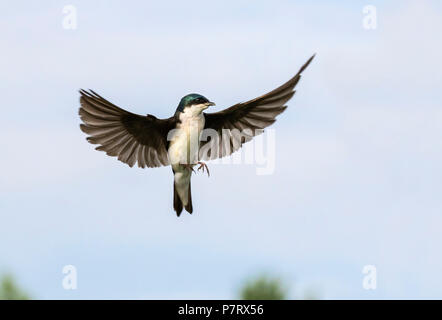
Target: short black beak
[210, 103]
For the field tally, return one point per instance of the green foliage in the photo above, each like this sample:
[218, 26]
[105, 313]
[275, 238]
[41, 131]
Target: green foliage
[264, 288]
[9, 289]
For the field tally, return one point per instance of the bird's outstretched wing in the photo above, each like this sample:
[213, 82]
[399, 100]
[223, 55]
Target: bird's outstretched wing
[130, 137]
[249, 118]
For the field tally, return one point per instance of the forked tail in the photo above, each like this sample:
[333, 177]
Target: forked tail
[178, 204]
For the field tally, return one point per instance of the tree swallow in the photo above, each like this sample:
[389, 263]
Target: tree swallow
[178, 141]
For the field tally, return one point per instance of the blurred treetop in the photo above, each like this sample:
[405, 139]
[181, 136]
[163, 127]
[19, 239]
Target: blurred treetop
[264, 288]
[9, 289]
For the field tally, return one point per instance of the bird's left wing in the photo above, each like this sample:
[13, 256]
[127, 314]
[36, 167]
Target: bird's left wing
[242, 121]
[130, 137]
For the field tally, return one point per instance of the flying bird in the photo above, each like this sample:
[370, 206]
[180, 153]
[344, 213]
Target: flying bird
[176, 141]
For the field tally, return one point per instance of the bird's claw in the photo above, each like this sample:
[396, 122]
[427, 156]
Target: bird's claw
[203, 166]
[189, 167]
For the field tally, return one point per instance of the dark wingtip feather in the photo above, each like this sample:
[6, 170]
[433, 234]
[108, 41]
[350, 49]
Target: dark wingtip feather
[95, 94]
[83, 128]
[84, 93]
[306, 64]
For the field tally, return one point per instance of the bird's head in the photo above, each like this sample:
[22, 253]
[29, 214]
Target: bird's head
[194, 103]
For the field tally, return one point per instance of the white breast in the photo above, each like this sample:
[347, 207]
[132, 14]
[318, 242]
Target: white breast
[184, 144]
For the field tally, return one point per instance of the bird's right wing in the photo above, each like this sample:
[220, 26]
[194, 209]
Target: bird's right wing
[241, 122]
[130, 137]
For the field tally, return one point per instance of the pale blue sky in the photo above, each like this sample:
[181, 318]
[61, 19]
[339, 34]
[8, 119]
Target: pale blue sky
[358, 155]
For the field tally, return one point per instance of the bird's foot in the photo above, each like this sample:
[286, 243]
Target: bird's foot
[203, 166]
[189, 167]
